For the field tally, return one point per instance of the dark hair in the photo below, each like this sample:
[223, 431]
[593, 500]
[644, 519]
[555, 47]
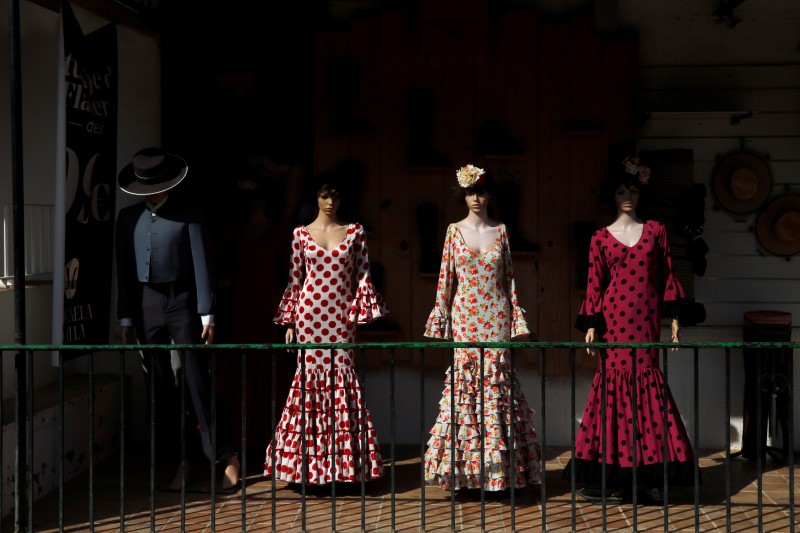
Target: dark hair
[617, 177]
[329, 183]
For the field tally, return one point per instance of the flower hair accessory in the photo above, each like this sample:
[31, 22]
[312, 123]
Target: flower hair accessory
[632, 166]
[469, 176]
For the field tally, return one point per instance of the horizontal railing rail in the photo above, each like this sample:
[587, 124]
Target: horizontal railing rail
[400, 345]
[23, 496]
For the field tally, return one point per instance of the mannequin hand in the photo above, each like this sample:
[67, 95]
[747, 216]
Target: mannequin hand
[676, 333]
[208, 333]
[127, 335]
[590, 338]
[289, 335]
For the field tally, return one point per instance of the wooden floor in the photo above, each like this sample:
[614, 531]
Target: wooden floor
[287, 512]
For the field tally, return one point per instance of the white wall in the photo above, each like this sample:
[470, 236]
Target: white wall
[689, 61]
[139, 122]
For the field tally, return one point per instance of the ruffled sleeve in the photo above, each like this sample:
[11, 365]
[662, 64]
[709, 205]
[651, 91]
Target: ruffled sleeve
[368, 306]
[439, 325]
[674, 297]
[287, 309]
[519, 326]
[591, 313]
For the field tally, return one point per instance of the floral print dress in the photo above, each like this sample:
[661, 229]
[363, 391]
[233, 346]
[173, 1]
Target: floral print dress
[629, 289]
[329, 291]
[484, 308]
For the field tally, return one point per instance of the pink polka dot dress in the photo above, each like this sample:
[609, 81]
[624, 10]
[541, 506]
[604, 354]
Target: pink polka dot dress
[629, 290]
[329, 291]
[482, 308]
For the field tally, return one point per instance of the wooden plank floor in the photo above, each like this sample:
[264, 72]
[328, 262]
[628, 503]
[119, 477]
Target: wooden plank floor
[288, 507]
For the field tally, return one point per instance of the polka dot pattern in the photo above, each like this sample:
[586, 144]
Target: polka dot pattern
[623, 302]
[484, 308]
[328, 293]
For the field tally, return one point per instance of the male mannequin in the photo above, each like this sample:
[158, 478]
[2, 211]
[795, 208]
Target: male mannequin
[165, 293]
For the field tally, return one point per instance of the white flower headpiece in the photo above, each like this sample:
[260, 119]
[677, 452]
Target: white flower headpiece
[632, 166]
[469, 176]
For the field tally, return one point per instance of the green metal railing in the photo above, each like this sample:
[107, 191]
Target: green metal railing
[24, 396]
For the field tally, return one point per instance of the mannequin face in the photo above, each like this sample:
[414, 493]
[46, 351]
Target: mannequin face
[627, 198]
[328, 202]
[156, 198]
[477, 202]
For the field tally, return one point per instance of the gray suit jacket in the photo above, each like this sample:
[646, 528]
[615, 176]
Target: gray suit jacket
[172, 246]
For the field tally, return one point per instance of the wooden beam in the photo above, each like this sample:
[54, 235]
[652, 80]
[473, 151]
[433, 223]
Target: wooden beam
[112, 11]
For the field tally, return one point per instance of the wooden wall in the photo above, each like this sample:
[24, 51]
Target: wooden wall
[556, 90]
[694, 106]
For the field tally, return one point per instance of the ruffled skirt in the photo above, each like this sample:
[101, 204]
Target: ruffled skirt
[498, 430]
[327, 459]
[650, 457]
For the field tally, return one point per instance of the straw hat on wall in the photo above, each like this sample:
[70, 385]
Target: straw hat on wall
[742, 182]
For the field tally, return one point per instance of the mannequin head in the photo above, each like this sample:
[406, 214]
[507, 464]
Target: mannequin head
[626, 198]
[619, 178]
[328, 198]
[484, 190]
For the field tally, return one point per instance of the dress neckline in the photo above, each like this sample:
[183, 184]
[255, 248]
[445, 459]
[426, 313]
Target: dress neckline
[644, 224]
[464, 241]
[346, 235]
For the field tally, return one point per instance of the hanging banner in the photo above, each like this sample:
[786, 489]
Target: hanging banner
[90, 94]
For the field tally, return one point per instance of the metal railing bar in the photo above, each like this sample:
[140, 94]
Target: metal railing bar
[91, 441]
[422, 439]
[151, 355]
[573, 502]
[243, 440]
[273, 425]
[482, 399]
[3, 420]
[332, 454]
[61, 440]
[665, 433]
[303, 438]
[727, 439]
[696, 355]
[603, 437]
[365, 454]
[29, 429]
[544, 440]
[635, 437]
[122, 436]
[392, 436]
[759, 435]
[453, 435]
[212, 461]
[790, 437]
[512, 436]
[403, 345]
[182, 355]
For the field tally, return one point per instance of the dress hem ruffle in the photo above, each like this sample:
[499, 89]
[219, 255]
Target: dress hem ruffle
[679, 473]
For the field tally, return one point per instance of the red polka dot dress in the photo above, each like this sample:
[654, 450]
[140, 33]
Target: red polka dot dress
[483, 308]
[329, 291]
[629, 290]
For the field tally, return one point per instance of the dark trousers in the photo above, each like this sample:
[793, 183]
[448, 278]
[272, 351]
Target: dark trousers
[168, 314]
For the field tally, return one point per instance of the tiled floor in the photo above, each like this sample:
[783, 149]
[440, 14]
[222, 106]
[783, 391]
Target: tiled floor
[440, 513]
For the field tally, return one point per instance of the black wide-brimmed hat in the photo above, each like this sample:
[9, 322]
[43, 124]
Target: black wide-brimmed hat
[742, 182]
[152, 171]
[778, 225]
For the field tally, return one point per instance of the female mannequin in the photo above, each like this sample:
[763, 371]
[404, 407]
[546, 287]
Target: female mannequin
[484, 307]
[329, 291]
[625, 303]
